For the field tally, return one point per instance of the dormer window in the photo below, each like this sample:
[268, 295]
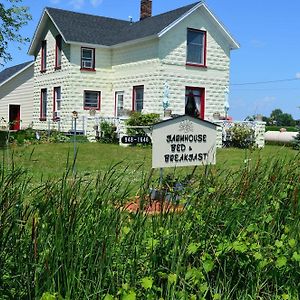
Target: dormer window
[58, 47]
[44, 56]
[196, 47]
[88, 59]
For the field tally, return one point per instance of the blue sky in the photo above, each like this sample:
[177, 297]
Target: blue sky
[267, 30]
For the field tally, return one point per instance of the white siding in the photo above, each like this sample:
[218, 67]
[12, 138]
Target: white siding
[214, 78]
[18, 91]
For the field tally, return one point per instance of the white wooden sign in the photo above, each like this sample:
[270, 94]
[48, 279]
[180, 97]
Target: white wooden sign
[183, 141]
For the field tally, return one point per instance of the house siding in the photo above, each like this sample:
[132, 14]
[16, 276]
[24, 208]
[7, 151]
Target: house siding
[19, 91]
[134, 66]
[52, 78]
[214, 77]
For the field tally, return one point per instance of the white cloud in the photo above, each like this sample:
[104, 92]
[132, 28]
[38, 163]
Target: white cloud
[298, 75]
[77, 4]
[96, 3]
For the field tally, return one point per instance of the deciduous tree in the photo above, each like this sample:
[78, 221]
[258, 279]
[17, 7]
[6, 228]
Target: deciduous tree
[13, 16]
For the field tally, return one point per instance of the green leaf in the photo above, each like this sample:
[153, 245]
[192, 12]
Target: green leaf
[258, 256]
[292, 243]
[204, 287]
[239, 246]
[278, 244]
[172, 278]
[285, 296]
[217, 296]
[108, 297]
[130, 296]
[211, 190]
[281, 261]
[296, 256]
[147, 282]
[125, 230]
[208, 265]
[48, 296]
[193, 248]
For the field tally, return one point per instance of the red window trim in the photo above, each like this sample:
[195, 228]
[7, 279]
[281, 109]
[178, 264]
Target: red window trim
[202, 99]
[204, 65]
[58, 48]
[42, 117]
[43, 56]
[115, 112]
[54, 104]
[133, 95]
[99, 100]
[92, 69]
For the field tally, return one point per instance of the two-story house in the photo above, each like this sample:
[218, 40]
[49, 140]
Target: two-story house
[87, 62]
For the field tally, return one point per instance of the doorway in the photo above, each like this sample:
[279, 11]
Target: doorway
[14, 117]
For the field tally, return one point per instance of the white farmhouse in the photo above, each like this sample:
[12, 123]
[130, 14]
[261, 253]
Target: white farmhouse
[86, 62]
[104, 67]
[16, 96]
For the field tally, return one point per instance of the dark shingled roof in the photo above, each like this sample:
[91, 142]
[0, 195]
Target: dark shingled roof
[9, 72]
[90, 29]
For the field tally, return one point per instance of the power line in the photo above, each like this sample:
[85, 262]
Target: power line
[265, 89]
[264, 82]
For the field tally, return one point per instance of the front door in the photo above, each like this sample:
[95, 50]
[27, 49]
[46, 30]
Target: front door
[14, 117]
[119, 103]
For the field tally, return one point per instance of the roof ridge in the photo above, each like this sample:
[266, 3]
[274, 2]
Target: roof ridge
[86, 14]
[173, 10]
[126, 21]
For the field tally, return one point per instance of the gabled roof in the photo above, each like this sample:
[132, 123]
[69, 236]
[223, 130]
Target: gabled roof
[11, 72]
[96, 30]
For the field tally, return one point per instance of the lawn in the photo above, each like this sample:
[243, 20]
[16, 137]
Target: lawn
[50, 160]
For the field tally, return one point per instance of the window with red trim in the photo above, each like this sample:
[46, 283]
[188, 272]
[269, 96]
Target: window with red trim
[91, 100]
[138, 98]
[58, 47]
[196, 47]
[44, 56]
[43, 105]
[195, 102]
[87, 58]
[56, 103]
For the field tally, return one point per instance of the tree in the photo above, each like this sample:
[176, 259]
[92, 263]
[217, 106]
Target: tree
[282, 119]
[12, 18]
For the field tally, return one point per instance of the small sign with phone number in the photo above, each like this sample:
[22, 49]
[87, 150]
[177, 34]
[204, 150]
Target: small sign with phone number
[136, 139]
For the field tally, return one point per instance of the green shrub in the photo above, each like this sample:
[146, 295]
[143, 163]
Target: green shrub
[241, 136]
[296, 142]
[139, 119]
[108, 133]
[3, 138]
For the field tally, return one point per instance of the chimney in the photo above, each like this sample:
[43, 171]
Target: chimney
[146, 9]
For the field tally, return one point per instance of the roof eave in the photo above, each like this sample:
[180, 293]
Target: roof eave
[135, 41]
[16, 74]
[38, 31]
[231, 40]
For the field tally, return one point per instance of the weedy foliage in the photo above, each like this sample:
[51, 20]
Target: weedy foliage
[237, 238]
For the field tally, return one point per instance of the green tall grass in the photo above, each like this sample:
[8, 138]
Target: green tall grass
[69, 238]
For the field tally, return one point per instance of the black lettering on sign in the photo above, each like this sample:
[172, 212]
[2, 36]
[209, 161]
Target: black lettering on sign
[183, 138]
